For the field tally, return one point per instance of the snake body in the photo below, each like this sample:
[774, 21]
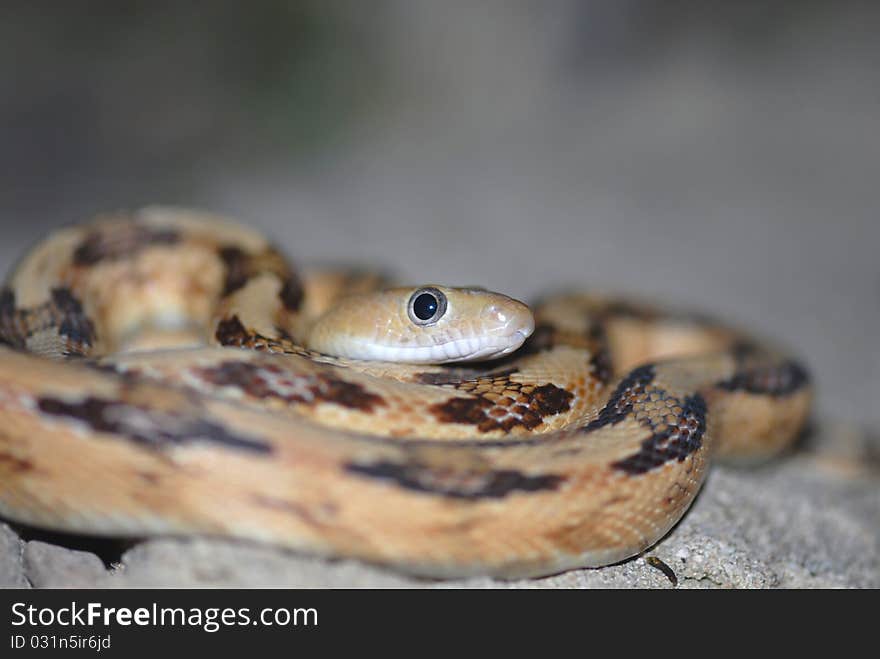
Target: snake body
[155, 379]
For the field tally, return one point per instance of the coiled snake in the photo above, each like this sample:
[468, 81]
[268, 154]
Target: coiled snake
[167, 372]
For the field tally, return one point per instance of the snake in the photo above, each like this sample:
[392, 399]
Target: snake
[168, 372]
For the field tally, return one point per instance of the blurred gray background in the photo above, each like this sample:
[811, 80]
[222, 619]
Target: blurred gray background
[718, 155]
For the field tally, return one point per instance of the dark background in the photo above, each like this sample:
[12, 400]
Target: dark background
[720, 155]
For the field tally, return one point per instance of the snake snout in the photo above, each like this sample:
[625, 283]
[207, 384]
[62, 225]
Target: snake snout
[509, 318]
[510, 322]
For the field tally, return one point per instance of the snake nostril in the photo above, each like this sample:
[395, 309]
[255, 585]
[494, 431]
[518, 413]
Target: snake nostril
[495, 314]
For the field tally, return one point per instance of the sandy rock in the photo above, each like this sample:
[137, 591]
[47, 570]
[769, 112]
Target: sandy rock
[201, 562]
[52, 566]
[11, 564]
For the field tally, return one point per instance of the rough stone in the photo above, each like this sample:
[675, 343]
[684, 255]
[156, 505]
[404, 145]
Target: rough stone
[11, 564]
[52, 566]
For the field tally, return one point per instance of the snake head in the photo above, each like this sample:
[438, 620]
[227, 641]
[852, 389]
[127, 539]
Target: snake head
[423, 325]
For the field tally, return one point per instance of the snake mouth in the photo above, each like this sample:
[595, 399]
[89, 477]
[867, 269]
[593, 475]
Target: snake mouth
[510, 343]
[460, 350]
[516, 340]
[525, 333]
[474, 348]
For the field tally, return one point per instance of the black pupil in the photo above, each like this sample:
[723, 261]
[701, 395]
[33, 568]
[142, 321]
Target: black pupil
[425, 306]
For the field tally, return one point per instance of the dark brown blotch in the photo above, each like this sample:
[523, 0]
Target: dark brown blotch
[457, 483]
[242, 266]
[505, 414]
[239, 268]
[14, 464]
[264, 381]
[781, 379]
[459, 376]
[62, 315]
[548, 399]
[291, 293]
[9, 332]
[231, 332]
[471, 411]
[633, 398]
[148, 427]
[347, 394]
[73, 323]
[625, 394]
[242, 375]
[119, 241]
[674, 441]
[600, 352]
[7, 302]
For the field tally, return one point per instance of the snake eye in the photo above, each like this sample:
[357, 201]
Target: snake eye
[426, 306]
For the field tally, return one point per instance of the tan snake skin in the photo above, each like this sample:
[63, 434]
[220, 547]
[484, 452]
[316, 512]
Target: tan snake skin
[580, 449]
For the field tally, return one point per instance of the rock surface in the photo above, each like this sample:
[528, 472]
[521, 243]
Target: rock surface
[53, 566]
[11, 564]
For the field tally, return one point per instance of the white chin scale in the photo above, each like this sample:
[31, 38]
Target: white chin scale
[460, 350]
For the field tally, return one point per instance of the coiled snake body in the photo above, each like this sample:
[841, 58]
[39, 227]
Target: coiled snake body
[165, 372]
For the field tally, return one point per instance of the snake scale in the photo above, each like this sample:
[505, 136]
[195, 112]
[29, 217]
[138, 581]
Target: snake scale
[166, 372]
